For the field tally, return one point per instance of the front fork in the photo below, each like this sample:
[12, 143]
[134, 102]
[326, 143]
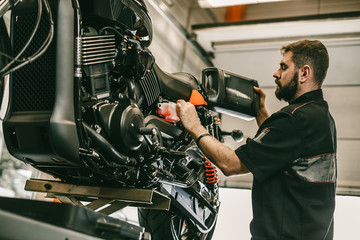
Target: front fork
[192, 204]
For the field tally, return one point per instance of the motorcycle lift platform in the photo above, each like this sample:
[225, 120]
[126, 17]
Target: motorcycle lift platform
[116, 198]
[74, 219]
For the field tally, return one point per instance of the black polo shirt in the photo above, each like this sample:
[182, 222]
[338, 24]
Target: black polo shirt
[293, 160]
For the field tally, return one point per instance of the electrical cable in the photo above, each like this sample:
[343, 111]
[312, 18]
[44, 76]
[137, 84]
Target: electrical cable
[28, 42]
[51, 31]
[112, 29]
[44, 46]
[10, 57]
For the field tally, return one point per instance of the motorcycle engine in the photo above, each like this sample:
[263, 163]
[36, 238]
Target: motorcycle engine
[111, 93]
[121, 122]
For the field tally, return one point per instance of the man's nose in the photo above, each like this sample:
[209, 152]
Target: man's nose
[276, 74]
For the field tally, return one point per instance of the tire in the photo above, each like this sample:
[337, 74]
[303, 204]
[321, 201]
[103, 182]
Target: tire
[173, 224]
[169, 225]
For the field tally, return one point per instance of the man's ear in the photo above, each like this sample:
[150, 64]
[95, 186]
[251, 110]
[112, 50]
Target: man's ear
[305, 73]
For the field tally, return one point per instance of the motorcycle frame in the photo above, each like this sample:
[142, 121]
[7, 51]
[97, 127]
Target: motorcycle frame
[60, 123]
[63, 125]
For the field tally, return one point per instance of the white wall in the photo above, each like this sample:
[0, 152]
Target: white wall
[172, 52]
[341, 90]
[235, 216]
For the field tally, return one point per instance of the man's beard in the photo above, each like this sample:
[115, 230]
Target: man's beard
[287, 92]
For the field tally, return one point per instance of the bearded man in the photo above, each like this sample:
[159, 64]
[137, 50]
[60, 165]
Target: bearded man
[293, 154]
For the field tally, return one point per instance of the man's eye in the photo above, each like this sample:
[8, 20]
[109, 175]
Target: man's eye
[283, 67]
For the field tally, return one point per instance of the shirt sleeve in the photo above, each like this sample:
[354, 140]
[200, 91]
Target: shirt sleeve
[274, 148]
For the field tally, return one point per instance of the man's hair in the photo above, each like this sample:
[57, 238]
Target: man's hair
[312, 53]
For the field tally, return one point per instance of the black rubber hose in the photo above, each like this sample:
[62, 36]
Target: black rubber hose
[102, 143]
[141, 11]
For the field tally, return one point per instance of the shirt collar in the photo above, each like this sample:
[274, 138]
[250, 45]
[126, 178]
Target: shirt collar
[309, 96]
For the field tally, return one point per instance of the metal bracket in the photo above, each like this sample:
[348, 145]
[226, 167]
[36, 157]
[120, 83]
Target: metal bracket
[102, 199]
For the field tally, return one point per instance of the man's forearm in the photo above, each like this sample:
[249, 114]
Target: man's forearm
[218, 153]
[262, 116]
[197, 131]
[222, 156]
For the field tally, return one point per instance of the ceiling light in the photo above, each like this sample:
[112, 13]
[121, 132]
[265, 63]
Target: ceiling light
[225, 3]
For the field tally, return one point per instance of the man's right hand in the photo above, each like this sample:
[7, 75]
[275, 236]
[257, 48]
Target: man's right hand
[188, 115]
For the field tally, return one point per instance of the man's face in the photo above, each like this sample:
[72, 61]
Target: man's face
[286, 79]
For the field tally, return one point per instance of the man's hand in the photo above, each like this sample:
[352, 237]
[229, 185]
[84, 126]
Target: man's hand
[220, 154]
[188, 115]
[263, 113]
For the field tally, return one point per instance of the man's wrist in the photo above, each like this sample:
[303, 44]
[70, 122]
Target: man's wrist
[197, 140]
[196, 131]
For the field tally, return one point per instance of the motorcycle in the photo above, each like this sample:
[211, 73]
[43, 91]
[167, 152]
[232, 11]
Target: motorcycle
[88, 105]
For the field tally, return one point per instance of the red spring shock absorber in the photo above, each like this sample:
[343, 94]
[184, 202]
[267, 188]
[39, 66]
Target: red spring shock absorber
[211, 172]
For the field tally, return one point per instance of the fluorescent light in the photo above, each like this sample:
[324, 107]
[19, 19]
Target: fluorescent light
[224, 3]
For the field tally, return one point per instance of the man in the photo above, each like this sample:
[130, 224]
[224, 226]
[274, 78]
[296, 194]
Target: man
[293, 155]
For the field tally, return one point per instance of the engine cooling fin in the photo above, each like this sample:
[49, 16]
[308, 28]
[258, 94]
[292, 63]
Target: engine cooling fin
[97, 49]
[150, 87]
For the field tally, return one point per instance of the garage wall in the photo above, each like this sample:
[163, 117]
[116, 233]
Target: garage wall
[341, 89]
[172, 51]
[299, 8]
[252, 49]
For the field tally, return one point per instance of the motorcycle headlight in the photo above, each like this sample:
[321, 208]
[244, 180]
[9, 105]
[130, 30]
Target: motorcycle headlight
[230, 93]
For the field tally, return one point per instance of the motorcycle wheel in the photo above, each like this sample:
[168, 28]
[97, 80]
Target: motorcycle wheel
[169, 225]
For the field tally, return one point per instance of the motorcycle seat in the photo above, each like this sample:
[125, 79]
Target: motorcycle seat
[176, 85]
